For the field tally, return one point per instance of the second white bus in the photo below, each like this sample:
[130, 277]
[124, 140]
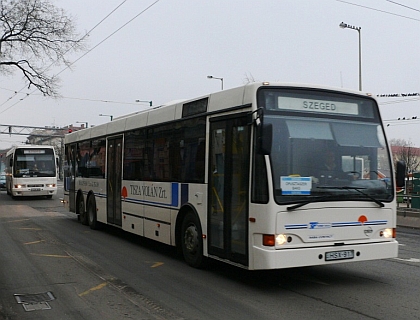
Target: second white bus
[31, 170]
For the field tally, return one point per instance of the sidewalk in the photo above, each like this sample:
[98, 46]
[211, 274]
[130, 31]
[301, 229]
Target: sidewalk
[408, 217]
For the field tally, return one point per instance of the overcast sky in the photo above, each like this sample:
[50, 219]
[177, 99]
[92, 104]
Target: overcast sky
[170, 47]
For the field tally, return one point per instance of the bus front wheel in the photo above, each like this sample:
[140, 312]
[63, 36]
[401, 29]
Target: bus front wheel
[192, 241]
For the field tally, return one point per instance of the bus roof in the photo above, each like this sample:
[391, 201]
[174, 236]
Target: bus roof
[217, 101]
[27, 146]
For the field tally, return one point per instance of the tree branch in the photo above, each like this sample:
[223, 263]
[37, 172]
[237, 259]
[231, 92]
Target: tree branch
[36, 35]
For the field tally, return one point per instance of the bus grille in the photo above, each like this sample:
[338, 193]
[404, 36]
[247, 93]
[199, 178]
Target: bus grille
[35, 185]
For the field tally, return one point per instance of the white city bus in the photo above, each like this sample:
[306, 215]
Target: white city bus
[238, 176]
[31, 170]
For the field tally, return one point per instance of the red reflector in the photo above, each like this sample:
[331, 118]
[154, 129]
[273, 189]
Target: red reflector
[268, 240]
[394, 233]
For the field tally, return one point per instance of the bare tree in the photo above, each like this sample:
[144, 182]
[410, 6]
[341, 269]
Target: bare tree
[36, 35]
[405, 151]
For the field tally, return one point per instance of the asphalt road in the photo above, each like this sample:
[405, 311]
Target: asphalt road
[65, 270]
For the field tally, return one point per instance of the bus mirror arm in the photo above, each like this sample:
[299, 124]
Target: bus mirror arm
[400, 177]
[258, 118]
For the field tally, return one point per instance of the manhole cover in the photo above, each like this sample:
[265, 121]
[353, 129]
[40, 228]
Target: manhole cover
[35, 301]
[36, 306]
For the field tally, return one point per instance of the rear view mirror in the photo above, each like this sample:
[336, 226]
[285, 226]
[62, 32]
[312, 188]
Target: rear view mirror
[264, 138]
[401, 167]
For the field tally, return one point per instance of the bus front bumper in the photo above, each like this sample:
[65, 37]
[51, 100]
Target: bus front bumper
[23, 192]
[325, 255]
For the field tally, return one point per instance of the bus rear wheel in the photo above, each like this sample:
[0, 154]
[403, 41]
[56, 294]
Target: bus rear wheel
[192, 241]
[81, 210]
[91, 214]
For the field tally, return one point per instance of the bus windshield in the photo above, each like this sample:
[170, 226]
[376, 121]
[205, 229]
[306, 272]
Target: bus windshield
[34, 163]
[326, 147]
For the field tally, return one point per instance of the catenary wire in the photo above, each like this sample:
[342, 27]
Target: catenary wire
[87, 34]
[374, 9]
[403, 5]
[67, 67]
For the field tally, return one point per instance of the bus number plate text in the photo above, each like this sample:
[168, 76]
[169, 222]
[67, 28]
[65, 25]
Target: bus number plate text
[339, 255]
[35, 189]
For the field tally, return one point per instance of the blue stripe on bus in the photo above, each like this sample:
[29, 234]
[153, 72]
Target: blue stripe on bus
[296, 226]
[376, 222]
[175, 194]
[340, 224]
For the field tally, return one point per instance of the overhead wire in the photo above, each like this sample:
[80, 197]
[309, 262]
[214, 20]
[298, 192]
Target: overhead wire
[82, 99]
[90, 50]
[402, 5]
[151, 5]
[87, 34]
[399, 101]
[374, 9]
[109, 36]
[401, 122]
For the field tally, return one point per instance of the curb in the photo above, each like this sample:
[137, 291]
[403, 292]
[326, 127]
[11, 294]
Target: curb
[408, 217]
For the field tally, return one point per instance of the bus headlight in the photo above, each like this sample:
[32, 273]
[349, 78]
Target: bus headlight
[20, 186]
[281, 239]
[278, 240]
[52, 185]
[388, 233]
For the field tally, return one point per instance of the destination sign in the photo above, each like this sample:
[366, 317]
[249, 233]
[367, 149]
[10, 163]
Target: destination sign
[33, 151]
[315, 105]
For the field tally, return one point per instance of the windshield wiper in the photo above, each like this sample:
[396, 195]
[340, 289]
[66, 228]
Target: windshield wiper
[301, 204]
[358, 189]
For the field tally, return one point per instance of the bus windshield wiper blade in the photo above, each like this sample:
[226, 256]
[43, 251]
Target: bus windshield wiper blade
[304, 203]
[380, 203]
[359, 190]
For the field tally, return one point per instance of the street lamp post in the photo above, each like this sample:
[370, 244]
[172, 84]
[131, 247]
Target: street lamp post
[107, 115]
[358, 29]
[149, 102]
[221, 79]
[84, 123]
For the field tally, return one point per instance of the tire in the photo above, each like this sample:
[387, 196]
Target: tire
[91, 214]
[80, 210]
[192, 241]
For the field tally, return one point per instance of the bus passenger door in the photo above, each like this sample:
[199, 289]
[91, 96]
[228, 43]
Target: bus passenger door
[114, 176]
[228, 189]
[70, 176]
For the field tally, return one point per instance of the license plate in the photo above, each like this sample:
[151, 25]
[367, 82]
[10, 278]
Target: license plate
[35, 189]
[339, 255]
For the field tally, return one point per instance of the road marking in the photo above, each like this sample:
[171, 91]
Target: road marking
[408, 260]
[49, 255]
[157, 264]
[98, 287]
[20, 220]
[37, 229]
[34, 242]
